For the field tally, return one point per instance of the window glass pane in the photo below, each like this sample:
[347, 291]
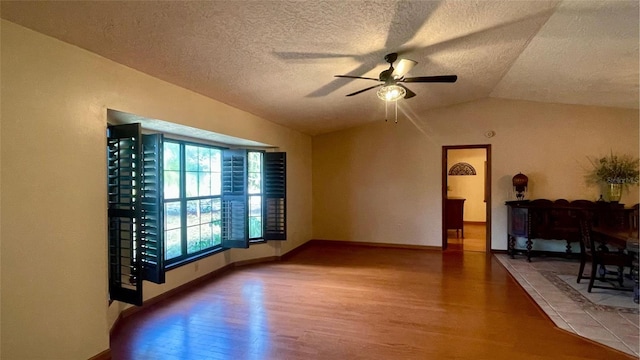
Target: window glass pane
[192, 184]
[206, 236]
[255, 216]
[193, 212]
[171, 154]
[191, 157]
[254, 183]
[255, 205]
[255, 227]
[193, 239]
[216, 205]
[172, 233]
[171, 184]
[216, 155]
[216, 183]
[254, 163]
[171, 215]
[172, 242]
[204, 188]
[204, 159]
[216, 169]
[205, 211]
[216, 231]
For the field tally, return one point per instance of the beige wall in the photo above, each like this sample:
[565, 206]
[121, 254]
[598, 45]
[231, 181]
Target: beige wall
[469, 187]
[382, 182]
[54, 254]
[377, 183]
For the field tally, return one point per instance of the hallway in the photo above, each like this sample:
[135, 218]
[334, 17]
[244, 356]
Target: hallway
[474, 238]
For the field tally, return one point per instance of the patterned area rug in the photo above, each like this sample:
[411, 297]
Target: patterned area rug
[598, 299]
[562, 274]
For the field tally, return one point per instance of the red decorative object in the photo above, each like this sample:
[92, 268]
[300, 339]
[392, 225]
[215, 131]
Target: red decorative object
[520, 182]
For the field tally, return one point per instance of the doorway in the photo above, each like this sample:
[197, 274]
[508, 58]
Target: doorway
[466, 198]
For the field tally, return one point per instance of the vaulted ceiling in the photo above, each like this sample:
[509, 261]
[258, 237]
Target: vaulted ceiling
[277, 59]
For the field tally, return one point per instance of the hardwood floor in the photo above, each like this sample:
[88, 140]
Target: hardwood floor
[474, 238]
[336, 301]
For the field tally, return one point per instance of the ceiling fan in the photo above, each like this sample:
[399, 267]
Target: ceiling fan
[390, 80]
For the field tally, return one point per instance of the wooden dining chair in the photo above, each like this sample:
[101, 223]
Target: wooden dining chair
[600, 257]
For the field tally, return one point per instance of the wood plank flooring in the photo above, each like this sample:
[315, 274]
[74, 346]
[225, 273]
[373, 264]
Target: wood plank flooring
[474, 238]
[336, 301]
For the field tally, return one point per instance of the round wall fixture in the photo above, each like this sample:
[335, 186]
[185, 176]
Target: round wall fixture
[490, 134]
[462, 168]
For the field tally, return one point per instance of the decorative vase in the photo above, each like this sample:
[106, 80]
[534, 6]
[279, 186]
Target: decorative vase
[614, 192]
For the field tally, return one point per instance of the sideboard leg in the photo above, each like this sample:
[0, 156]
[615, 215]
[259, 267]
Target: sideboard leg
[636, 282]
[511, 244]
[569, 250]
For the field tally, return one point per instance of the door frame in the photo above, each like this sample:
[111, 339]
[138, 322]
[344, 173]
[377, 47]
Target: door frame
[487, 190]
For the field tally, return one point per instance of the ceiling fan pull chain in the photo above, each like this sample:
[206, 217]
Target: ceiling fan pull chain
[396, 111]
[386, 112]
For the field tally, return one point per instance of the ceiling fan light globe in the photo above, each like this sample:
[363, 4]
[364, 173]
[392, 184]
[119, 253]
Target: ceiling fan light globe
[403, 67]
[391, 93]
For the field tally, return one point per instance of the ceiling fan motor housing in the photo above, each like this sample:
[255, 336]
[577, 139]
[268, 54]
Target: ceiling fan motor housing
[385, 75]
[391, 58]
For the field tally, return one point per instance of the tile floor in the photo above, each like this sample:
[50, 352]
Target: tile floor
[610, 318]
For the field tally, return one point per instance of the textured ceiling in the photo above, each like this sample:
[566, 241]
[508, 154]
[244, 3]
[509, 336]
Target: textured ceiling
[276, 59]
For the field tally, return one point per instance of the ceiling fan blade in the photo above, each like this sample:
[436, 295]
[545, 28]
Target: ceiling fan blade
[355, 77]
[409, 93]
[363, 90]
[403, 67]
[432, 79]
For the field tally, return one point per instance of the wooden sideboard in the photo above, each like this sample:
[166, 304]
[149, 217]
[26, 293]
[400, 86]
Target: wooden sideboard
[544, 219]
[454, 214]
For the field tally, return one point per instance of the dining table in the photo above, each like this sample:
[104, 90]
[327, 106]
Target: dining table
[625, 240]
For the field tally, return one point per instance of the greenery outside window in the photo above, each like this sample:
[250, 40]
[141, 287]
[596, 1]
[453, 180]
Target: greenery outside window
[254, 189]
[192, 199]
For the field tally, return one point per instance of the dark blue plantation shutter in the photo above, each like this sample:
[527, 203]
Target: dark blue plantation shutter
[151, 216]
[123, 147]
[136, 246]
[235, 224]
[275, 192]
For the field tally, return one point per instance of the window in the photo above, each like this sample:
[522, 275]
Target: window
[254, 189]
[192, 200]
[171, 202]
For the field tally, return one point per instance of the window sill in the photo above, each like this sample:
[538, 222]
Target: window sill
[193, 258]
[205, 254]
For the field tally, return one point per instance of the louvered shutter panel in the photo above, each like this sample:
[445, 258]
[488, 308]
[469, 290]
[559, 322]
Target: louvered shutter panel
[123, 147]
[275, 192]
[151, 210]
[235, 226]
